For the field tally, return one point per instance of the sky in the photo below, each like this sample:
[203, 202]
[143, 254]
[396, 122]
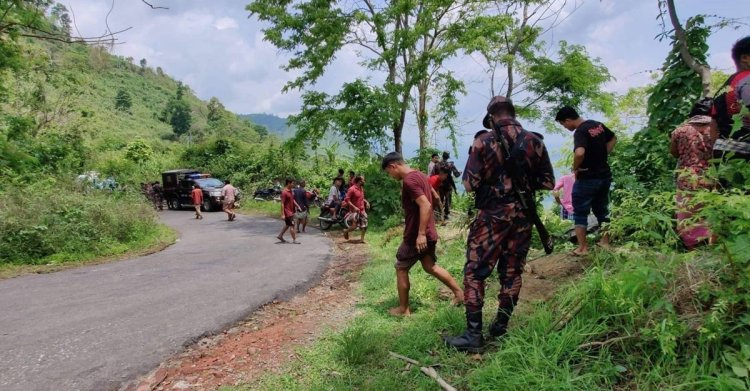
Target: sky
[218, 50]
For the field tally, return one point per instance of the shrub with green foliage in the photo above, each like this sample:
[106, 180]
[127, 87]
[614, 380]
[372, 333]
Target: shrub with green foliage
[54, 221]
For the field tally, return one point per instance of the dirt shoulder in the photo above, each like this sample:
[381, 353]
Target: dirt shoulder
[267, 340]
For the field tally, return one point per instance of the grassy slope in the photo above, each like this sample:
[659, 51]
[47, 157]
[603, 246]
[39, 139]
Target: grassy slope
[622, 295]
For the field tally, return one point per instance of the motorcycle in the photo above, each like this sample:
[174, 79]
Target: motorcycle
[268, 194]
[327, 221]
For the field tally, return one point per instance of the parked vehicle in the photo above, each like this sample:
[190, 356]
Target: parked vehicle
[178, 184]
[327, 221]
[268, 194]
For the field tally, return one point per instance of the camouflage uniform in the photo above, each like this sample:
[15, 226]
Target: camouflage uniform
[501, 233]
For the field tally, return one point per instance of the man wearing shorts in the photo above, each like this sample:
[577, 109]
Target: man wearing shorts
[288, 207]
[228, 193]
[357, 204]
[197, 196]
[420, 235]
[592, 144]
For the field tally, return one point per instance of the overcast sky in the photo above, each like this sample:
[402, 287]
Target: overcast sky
[215, 48]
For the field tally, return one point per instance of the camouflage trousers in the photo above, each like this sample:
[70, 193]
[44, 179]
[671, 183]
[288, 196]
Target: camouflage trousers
[499, 238]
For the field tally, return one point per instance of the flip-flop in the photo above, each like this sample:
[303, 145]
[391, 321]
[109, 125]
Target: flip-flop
[577, 254]
[296, 242]
[281, 240]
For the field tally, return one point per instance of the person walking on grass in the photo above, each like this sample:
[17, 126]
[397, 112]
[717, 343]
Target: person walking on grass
[731, 143]
[288, 207]
[157, 196]
[563, 193]
[229, 192]
[303, 202]
[501, 232]
[420, 236]
[197, 196]
[436, 181]
[448, 186]
[592, 144]
[356, 203]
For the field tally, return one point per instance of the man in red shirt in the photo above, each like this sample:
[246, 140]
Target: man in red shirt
[197, 196]
[357, 204]
[435, 182]
[420, 235]
[288, 207]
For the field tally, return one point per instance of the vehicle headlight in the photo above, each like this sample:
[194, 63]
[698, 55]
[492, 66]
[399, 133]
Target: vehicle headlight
[215, 194]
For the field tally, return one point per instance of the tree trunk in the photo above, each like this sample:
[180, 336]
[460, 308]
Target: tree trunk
[679, 32]
[422, 114]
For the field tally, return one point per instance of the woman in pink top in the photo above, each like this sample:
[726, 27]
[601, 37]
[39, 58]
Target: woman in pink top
[692, 144]
[565, 183]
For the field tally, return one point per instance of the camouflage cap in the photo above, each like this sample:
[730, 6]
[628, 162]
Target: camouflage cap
[497, 101]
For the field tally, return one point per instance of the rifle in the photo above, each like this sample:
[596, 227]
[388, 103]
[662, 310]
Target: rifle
[524, 193]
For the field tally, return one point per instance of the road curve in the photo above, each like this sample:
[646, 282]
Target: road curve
[96, 327]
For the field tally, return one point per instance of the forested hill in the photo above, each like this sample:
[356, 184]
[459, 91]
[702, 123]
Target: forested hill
[275, 124]
[91, 105]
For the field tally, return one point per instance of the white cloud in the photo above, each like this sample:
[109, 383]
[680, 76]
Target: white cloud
[226, 24]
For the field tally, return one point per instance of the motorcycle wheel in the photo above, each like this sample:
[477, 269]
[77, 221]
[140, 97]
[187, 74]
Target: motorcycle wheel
[325, 222]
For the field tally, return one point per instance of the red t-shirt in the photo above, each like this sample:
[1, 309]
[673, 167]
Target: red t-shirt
[197, 196]
[435, 181]
[415, 185]
[287, 201]
[356, 196]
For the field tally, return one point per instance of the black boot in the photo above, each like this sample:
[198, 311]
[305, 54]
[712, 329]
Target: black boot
[471, 340]
[499, 325]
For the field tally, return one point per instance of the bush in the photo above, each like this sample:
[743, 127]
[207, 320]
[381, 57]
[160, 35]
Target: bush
[54, 221]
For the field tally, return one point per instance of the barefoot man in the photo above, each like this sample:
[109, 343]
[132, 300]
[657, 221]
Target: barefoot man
[288, 207]
[420, 235]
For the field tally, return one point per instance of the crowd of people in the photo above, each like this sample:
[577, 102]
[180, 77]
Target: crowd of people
[500, 234]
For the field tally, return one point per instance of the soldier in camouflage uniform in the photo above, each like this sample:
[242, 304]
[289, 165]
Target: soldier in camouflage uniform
[501, 233]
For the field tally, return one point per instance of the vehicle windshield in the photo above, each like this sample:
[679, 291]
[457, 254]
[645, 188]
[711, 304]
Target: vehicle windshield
[209, 182]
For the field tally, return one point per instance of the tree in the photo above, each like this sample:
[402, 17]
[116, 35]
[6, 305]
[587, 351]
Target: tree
[138, 151]
[61, 18]
[409, 41]
[177, 112]
[143, 64]
[123, 101]
[681, 42]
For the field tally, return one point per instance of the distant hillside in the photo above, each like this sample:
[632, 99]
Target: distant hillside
[275, 124]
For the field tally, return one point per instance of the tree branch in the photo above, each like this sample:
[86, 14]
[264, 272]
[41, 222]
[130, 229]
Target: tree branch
[701, 69]
[152, 6]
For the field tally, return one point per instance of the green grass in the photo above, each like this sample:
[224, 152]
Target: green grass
[624, 294]
[261, 208]
[156, 240]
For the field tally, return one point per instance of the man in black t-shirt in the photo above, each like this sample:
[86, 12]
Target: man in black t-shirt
[592, 143]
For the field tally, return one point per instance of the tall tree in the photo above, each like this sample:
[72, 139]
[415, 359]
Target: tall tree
[408, 41]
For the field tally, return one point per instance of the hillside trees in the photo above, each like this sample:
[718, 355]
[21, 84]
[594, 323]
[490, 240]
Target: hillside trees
[177, 112]
[123, 100]
[407, 42]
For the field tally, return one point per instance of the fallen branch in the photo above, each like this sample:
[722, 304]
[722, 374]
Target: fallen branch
[407, 359]
[600, 344]
[429, 371]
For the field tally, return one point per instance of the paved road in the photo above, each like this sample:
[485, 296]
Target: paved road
[93, 328]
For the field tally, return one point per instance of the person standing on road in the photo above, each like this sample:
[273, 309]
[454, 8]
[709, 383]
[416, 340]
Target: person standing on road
[197, 196]
[592, 144]
[420, 236]
[303, 202]
[157, 196]
[288, 207]
[501, 232]
[357, 204]
[228, 194]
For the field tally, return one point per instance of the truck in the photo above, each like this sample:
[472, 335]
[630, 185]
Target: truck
[178, 184]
